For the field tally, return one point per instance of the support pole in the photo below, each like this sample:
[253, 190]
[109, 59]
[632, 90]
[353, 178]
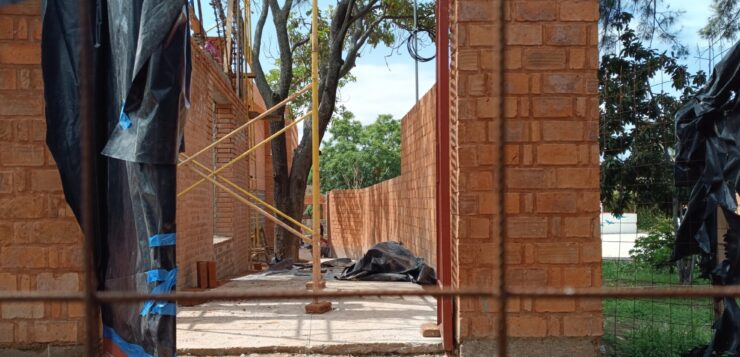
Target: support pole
[317, 307]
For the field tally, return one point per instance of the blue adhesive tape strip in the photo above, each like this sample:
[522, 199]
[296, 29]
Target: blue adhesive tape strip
[123, 120]
[156, 275]
[162, 240]
[165, 287]
[164, 308]
[131, 350]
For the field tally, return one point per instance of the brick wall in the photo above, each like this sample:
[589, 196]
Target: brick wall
[400, 209]
[40, 242]
[552, 165]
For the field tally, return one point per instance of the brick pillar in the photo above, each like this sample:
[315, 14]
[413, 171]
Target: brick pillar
[552, 171]
[40, 242]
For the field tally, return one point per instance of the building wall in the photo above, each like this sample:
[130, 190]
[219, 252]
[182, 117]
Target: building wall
[40, 241]
[552, 170]
[400, 209]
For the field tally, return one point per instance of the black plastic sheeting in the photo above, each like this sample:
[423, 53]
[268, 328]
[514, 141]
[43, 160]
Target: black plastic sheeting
[390, 261]
[141, 74]
[708, 159]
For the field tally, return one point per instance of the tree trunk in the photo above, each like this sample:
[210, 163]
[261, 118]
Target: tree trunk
[685, 270]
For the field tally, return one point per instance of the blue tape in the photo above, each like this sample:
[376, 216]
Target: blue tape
[123, 120]
[162, 240]
[164, 308]
[156, 275]
[169, 282]
[130, 349]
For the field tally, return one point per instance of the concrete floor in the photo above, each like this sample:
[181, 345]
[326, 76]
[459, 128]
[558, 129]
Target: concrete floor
[355, 326]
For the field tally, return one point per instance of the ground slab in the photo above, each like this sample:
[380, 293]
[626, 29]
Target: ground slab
[354, 326]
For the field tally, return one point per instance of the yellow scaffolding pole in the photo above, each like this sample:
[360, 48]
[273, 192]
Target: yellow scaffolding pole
[253, 206]
[315, 179]
[247, 124]
[250, 195]
[241, 156]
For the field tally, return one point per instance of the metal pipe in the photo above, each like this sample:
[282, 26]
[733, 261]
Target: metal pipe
[247, 124]
[250, 195]
[315, 179]
[87, 177]
[243, 155]
[285, 294]
[252, 205]
[500, 211]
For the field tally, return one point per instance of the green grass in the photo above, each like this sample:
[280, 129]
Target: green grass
[652, 327]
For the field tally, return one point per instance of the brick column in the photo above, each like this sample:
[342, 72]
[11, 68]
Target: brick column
[552, 171]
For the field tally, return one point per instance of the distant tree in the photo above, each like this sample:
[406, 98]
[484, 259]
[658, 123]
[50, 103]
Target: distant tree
[654, 21]
[724, 23]
[357, 156]
[637, 122]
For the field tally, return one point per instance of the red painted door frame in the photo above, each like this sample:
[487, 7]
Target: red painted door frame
[445, 315]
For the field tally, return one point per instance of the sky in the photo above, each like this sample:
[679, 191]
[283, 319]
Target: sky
[386, 81]
[385, 78]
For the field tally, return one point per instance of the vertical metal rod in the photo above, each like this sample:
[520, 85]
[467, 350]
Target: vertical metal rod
[416, 51]
[87, 176]
[444, 251]
[315, 180]
[500, 212]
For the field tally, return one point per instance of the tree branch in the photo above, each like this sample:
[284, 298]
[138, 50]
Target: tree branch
[260, 79]
[350, 59]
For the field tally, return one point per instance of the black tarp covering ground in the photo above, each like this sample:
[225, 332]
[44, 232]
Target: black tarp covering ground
[708, 159]
[390, 261]
[141, 77]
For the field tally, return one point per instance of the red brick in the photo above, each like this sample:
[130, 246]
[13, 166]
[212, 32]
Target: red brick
[578, 277]
[516, 83]
[6, 181]
[577, 58]
[22, 206]
[579, 10]
[7, 79]
[21, 29]
[526, 277]
[517, 131]
[580, 227]
[48, 231]
[8, 282]
[482, 35]
[557, 154]
[488, 201]
[527, 326]
[552, 107]
[20, 53]
[556, 202]
[543, 58]
[55, 331]
[527, 178]
[479, 227]
[556, 253]
[23, 257]
[21, 102]
[6, 332]
[535, 10]
[562, 83]
[46, 180]
[476, 11]
[523, 34]
[481, 326]
[23, 310]
[591, 252]
[570, 34]
[582, 325]
[6, 28]
[58, 282]
[555, 305]
[511, 154]
[526, 227]
[578, 178]
[481, 181]
[467, 60]
[562, 130]
[513, 57]
[22, 155]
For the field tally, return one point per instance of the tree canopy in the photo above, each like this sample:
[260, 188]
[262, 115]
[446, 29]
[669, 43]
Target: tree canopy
[357, 156]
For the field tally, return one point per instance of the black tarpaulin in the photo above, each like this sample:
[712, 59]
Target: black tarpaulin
[390, 261]
[708, 159]
[141, 75]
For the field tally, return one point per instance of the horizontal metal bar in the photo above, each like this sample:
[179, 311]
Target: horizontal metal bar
[250, 195]
[247, 124]
[244, 154]
[283, 294]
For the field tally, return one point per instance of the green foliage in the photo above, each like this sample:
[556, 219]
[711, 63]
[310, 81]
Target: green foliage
[648, 217]
[357, 156]
[637, 121]
[723, 24]
[654, 250]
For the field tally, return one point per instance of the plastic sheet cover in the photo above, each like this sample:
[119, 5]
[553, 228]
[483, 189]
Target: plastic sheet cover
[708, 159]
[141, 74]
[390, 261]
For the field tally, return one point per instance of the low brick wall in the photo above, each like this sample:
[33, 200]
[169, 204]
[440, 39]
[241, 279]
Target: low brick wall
[400, 209]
